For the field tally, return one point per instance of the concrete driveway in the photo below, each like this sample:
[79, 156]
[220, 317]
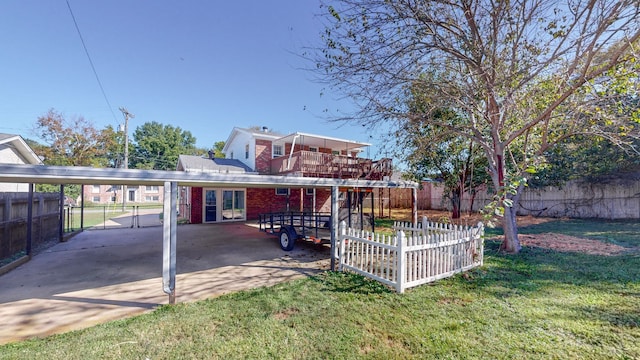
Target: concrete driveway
[101, 275]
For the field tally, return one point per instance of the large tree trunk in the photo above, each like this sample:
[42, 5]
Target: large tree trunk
[471, 201]
[456, 199]
[511, 242]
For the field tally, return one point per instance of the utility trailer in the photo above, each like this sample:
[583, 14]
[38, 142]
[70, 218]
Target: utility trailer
[292, 226]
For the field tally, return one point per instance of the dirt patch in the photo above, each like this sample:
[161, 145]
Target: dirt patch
[465, 218]
[285, 314]
[560, 242]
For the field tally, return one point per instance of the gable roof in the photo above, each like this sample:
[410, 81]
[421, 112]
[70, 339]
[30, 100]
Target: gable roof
[191, 163]
[20, 147]
[264, 134]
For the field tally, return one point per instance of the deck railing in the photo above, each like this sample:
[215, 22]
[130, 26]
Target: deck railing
[329, 165]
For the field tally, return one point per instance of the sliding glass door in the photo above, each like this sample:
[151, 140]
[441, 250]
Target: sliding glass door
[224, 205]
[233, 207]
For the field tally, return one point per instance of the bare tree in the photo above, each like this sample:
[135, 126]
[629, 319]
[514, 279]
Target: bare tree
[525, 74]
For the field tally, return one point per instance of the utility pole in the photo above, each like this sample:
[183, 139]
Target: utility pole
[127, 116]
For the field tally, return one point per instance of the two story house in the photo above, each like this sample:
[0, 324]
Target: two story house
[264, 152]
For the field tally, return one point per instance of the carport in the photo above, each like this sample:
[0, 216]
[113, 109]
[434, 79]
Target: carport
[103, 275]
[170, 180]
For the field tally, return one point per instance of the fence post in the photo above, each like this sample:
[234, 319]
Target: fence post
[401, 269]
[480, 247]
[425, 225]
[342, 240]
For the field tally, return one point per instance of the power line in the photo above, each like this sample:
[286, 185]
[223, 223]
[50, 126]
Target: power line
[86, 51]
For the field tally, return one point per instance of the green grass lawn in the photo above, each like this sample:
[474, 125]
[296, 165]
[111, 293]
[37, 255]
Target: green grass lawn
[539, 304]
[96, 215]
[93, 217]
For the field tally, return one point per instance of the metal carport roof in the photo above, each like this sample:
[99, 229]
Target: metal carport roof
[42, 174]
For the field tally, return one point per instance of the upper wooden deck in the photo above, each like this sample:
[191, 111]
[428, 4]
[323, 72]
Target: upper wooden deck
[318, 164]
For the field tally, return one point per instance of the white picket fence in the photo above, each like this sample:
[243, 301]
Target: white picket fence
[429, 252]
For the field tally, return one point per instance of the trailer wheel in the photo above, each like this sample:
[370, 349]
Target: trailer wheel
[287, 239]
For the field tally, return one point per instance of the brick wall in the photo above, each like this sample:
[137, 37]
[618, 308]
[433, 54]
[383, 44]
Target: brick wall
[263, 156]
[260, 201]
[323, 200]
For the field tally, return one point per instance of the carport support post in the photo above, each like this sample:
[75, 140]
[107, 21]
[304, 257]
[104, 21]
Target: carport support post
[30, 221]
[334, 225]
[169, 227]
[61, 210]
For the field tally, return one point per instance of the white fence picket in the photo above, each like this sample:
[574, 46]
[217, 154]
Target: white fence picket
[432, 251]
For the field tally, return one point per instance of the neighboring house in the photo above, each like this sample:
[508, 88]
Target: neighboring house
[263, 152]
[108, 194]
[14, 150]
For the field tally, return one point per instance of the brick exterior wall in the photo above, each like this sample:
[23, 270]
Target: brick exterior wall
[196, 205]
[260, 201]
[263, 201]
[263, 156]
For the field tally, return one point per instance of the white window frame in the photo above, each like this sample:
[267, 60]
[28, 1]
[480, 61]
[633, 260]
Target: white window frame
[313, 148]
[282, 191]
[220, 205]
[310, 191]
[273, 150]
[95, 189]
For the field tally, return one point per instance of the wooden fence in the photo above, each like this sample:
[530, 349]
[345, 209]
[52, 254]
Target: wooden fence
[417, 254]
[14, 217]
[615, 198]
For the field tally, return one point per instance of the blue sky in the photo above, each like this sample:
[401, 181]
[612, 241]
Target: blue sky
[205, 66]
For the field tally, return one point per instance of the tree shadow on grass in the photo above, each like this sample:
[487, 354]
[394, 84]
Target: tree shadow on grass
[540, 264]
[537, 270]
[346, 282]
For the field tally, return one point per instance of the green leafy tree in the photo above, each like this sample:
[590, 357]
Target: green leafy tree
[113, 147]
[523, 75]
[586, 159]
[158, 146]
[430, 153]
[217, 149]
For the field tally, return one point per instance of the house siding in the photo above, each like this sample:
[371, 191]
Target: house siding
[237, 148]
[9, 156]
